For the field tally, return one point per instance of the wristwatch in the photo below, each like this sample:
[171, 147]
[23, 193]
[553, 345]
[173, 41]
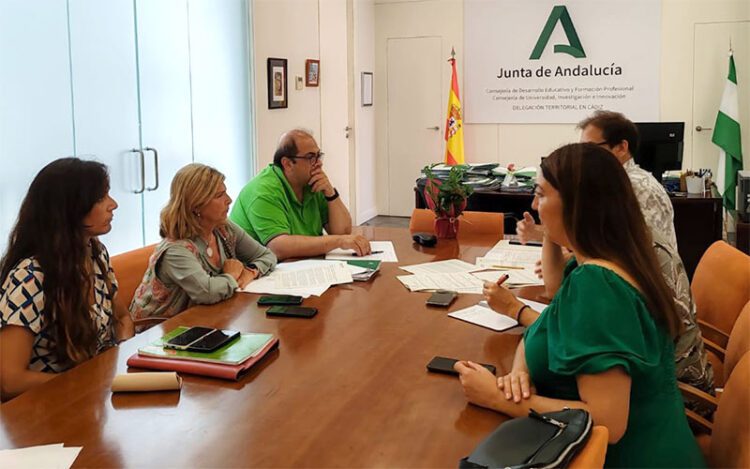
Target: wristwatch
[333, 197]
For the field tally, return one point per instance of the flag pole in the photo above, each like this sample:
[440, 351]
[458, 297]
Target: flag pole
[454, 137]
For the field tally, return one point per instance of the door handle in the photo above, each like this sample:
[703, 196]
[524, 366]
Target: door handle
[141, 159]
[156, 168]
[436, 128]
[698, 128]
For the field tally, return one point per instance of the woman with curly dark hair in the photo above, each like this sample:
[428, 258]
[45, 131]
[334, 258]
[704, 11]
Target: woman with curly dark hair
[56, 283]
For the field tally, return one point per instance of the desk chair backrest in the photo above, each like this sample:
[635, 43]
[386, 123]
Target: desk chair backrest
[470, 223]
[739, 342]
[129, 268]
[721, 285]
[731, 431]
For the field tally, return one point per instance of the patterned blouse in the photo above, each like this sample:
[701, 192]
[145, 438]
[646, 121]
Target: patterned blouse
[654, 201]
[22, 304]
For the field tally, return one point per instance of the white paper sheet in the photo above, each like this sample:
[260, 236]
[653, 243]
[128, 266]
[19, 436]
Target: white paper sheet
[267, 285]
[388, 254]
[485, 317]
[482, 315]
[458, 282]
[506, 254]
[334, 273]
[450, 266]
[47, 456]
[516, 277]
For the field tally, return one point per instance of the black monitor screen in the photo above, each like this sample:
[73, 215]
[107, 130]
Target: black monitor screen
[659, 146]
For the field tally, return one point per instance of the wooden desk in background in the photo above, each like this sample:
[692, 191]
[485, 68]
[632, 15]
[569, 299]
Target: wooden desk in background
[347, 388]
[697, 218]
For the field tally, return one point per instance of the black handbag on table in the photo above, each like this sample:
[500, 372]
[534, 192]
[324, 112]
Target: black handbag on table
[538, 441]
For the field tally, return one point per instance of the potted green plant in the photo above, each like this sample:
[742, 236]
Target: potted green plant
[447, 198]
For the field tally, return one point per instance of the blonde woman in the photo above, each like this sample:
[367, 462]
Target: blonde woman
[203, 257]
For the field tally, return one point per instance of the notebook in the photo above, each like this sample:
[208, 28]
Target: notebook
[247, 346]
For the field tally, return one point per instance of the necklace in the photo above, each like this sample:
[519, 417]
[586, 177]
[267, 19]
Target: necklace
[209, 251]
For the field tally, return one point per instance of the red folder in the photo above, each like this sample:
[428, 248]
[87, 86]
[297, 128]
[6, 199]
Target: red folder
[213, 370]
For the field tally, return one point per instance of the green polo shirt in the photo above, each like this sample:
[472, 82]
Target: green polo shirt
[267, 207]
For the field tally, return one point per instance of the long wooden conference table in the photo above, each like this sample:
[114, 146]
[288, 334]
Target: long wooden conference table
[347, 388]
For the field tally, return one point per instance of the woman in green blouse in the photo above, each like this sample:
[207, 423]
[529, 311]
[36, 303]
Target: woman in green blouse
[605, 342]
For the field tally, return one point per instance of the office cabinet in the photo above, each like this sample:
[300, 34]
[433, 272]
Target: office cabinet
[137, 85]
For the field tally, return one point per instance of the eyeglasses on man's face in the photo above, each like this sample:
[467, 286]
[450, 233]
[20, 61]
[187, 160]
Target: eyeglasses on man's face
[311, 157]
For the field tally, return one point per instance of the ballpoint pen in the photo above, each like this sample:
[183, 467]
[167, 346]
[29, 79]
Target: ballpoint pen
[502, 279]
[371, 253]
[507, 267]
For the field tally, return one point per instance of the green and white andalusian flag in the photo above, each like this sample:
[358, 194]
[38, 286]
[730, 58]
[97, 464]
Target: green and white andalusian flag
[727, 137]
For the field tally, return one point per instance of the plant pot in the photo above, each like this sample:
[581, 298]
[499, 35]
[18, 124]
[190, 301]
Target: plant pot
[446, 227]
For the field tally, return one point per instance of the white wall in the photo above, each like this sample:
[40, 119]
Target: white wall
[364, 117]
[291, 29]
[286, 29]
[523, 143]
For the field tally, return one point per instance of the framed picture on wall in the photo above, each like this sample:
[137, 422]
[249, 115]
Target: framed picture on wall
[366, 89]
[312, 72]
[277, 80]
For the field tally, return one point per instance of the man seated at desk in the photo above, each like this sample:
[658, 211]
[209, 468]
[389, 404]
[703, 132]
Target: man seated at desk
[287, 205]
[616, 133]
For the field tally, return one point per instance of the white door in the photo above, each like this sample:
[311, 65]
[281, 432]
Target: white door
[220, 67]
[105, 99]
[710, 75]
[414, 115]
[36, 123]
[164, 89]
[336, 134]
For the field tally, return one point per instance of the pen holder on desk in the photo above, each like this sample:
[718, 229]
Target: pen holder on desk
[694, 185]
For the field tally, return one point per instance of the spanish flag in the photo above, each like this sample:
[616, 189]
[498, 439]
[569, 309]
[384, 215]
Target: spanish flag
[454, 125]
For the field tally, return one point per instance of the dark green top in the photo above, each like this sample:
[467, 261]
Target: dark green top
[598, 321]
[267, 207]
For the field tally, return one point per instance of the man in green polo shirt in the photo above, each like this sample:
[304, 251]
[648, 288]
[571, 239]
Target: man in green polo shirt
[287, 205]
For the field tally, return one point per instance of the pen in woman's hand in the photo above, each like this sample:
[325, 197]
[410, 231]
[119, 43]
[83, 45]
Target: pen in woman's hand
[502, 279]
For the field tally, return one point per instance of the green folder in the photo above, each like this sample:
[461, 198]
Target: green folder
[234, 353]
[371, 266]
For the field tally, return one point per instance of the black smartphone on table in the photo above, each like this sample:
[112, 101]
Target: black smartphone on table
[201, 339]
[445, 365]
[284, 300]
[442, 298]
[292, 311]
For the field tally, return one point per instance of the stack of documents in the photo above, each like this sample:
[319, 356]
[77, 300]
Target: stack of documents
[442, 170]
[452, 274]
[39, 456]
[382, 251]
[302, 278]
[516, 260]
[461, 282]
[451, 266]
